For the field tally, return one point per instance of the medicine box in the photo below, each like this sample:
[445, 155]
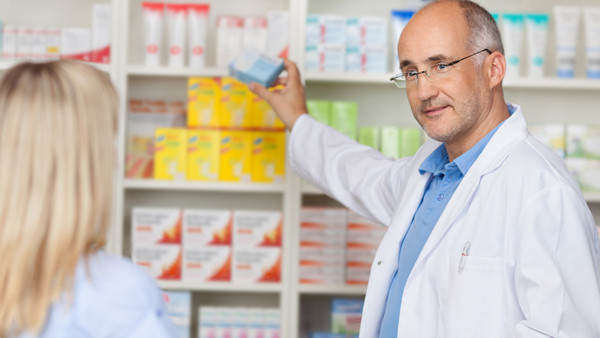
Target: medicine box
[253, 66]
[236, 156]
[252, 229]
[203, 152]
[207, 227]
[278, 33]
[319, 110]
[369, 136]
[235, 109]
[390, 141]
[207, 263]
[170, 154]
[162, 261]
[263, 115]
[256, 265]
[346, 315]
[207, 321]
[178, 305]
[268, 157]
[344, 117]
[156, 226]
[204, 99]
[272, 320]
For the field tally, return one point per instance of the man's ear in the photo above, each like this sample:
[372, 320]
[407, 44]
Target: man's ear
[496, 68]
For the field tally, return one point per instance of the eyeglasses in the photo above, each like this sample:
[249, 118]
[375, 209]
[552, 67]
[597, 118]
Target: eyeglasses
[405, 78]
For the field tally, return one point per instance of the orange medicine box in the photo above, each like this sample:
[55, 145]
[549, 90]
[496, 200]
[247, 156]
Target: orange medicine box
[156, 226]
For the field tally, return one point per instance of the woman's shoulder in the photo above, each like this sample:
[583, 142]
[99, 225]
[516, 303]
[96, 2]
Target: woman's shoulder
[111, 276]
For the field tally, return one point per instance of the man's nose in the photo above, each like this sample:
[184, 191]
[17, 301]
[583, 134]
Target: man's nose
[426, 89]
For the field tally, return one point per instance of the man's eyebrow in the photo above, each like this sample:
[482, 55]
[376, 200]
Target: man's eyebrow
[405, 63]
[436, 58]
[431, 59]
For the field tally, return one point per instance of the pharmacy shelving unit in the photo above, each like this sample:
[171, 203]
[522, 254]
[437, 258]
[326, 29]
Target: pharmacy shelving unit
[138, 81]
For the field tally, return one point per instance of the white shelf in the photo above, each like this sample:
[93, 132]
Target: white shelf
[221, 287]
[370, 78]
[319, 289]
[530, 83]
[134, 70]
[553, 83]
[309, 189]
[592, 197]
[147, 184]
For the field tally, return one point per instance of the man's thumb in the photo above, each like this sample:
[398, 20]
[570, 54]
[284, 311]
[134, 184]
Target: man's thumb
[260, 90]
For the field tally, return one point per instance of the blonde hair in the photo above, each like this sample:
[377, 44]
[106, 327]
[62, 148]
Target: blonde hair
[57, 158]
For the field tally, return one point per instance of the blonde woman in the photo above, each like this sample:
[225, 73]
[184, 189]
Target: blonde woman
[57, 158]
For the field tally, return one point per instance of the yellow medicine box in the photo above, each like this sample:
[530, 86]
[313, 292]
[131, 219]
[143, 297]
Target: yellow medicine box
[204, 97]
[235, 105]
[268, 156]
[170, 153]
[263, 115]
[236, 156]
[203, 155]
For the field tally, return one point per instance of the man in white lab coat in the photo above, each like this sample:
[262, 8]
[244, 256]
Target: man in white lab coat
[489, 236]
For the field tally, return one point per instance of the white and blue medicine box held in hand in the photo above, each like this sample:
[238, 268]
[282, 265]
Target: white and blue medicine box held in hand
[254, 66]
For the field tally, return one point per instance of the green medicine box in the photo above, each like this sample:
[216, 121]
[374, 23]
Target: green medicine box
[369, 136]
[319, 110]
[344, 117]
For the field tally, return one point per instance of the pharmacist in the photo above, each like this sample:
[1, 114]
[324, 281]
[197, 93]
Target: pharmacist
[488, 234]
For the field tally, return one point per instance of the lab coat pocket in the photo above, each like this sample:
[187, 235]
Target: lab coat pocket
[471, 301]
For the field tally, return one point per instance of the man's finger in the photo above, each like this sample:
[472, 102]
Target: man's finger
[260, 90]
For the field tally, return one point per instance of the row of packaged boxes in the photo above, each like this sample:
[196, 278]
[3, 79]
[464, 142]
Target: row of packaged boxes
[208, 245]
[218, 155]
[221, 322]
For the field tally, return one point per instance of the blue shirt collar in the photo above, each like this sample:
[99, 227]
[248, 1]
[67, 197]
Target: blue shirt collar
[439, 157]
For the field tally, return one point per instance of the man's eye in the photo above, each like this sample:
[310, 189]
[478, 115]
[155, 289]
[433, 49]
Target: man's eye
[411, 74]
[441, 67]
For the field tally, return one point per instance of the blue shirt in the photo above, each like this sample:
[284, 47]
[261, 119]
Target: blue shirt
[119, 299]
[445, 178]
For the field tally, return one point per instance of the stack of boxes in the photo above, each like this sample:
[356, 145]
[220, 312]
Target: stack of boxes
[23, 42]
[337, 44]
[157, 241]
[179, 304]
[336, 246]
[238, 322]
[257, 246]
[207, 249]
[583, 155]
[232, 136]
[578, 145]
[208, 245]
[322, 245]
[340, 115]
[394, 142]
[362, 240]
[343, 115]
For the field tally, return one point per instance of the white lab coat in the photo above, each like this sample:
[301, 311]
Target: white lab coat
[533, 264]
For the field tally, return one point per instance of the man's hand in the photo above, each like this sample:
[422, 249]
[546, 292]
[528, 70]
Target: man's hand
[289, 103]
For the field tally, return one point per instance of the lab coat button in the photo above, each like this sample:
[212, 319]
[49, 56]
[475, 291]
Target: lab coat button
[379, 263]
